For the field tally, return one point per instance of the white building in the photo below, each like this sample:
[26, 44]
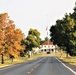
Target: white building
[47, 47]
[36, 50]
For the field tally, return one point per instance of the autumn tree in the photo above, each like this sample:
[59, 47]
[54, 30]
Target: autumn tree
[2, 43]
[3, 24]
[10, 40]
[14, 38]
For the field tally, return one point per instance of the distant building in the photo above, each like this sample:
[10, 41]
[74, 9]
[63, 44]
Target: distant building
[47, 47]
[36, 50]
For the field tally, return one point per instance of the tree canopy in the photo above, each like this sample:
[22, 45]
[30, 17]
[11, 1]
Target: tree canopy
[63, 33]
[33, 39]
[10, 37]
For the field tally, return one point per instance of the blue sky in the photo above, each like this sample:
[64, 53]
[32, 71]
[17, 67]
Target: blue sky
[36, 14]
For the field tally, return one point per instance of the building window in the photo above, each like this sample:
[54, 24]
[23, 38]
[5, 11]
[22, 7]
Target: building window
[48, 46]
[45, 50]
[42, 50]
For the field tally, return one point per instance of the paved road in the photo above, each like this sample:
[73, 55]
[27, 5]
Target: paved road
[39, 66]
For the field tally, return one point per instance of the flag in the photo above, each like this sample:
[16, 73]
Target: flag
[47, 28]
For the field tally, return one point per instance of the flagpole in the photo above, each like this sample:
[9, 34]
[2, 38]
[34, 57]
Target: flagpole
[47, 32]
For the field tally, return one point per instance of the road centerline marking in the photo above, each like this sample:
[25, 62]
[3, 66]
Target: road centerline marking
[32, 69]
[28, 72]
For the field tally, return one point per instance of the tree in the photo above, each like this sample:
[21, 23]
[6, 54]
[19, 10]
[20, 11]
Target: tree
[14, 38]
[47, 39]
[33, 39]
[2, 43]
[69, 26]
[73, 32]
[41, 41]
[62, 34]
[10, 40]
[56, 33]
[3, 24]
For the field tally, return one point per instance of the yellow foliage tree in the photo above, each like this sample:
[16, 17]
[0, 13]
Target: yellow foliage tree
[10, 40]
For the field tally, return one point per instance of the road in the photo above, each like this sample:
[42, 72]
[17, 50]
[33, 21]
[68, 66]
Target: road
[39, 66]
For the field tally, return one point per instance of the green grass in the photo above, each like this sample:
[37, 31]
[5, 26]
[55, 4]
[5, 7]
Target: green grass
[18, 60]
[9, 61]
[62, 56]
[69, 59]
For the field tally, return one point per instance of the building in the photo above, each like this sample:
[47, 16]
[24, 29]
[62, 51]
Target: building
[47, 47]
[36, 50]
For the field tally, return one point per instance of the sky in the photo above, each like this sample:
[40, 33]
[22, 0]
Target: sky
[36, 14]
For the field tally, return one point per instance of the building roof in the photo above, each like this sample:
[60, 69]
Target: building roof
[47, 43]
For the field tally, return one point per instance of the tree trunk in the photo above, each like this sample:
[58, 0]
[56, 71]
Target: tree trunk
[67, 54]
[12, 59]
[2, 56]
[28, 56]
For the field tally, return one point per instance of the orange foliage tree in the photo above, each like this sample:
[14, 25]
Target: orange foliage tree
[10, 40]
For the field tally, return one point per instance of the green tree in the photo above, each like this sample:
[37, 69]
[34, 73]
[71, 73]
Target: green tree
[63, 34]
[47, 39]
[68, 28]
[33, 39]
[41, 41]
[73, 32]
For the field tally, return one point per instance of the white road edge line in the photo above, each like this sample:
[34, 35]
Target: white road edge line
[66, 66]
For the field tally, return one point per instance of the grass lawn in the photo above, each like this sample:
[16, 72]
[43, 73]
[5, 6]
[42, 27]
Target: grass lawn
[62, 56]
[9, 61]
[18, 60]
[69, 59]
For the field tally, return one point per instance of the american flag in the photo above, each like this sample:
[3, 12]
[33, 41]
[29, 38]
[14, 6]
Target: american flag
[47, 28]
